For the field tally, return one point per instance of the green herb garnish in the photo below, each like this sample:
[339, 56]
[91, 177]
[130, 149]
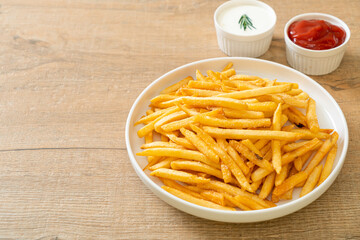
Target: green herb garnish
[245, 22]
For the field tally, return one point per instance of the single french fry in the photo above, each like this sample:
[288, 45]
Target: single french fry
[257, 92]
[199, 92]
[294, 92]
[320, 154]
[178, 176]
[276, 153]
[289, 183]
[196, 166]
[290, 156]
[280, 177]
[226, 173]
[228, 66]
[215, 101]
[222, 143]
[192, 199]
[303, 96]
[169, 103]
[200, 145]
[178, 153]
[241, 114]
[259, 174]
[275, 144]
[160, 144]
[177, 85]
[235, 169]
[244, 77]
[149, 111]
[311, 117]
[149, 138]
[252, 134]
[267, 185]
[163, 98]
[204, 85]
[200, 174]
[311, 181]
[262, 106]
[287, 129]
[228, 72]
[328, 164]
[232, 123]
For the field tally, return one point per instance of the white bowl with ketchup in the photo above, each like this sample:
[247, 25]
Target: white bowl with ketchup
[315, 42]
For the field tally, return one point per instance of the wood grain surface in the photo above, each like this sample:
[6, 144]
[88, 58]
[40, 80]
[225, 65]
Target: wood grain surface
[70, 71]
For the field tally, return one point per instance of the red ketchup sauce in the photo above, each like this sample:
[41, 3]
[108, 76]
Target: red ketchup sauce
[316, 34]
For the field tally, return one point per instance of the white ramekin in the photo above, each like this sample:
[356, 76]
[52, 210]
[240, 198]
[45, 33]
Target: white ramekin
[315, 62]
[237, 45]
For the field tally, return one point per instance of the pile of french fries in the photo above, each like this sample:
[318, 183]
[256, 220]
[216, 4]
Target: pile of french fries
[229, 141]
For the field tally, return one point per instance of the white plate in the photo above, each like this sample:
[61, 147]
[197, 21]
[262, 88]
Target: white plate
[329, 116]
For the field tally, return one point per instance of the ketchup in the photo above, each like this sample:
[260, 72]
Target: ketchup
[316, 34]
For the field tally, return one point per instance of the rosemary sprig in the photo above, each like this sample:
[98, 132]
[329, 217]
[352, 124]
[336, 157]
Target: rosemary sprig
[245, 22]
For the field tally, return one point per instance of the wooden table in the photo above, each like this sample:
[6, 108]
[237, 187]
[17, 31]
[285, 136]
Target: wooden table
[70, 71]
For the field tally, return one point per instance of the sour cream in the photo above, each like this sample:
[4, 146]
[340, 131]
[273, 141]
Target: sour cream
[261, 19]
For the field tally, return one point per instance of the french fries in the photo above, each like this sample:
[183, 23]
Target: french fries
[197, 201]
[224, 141]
